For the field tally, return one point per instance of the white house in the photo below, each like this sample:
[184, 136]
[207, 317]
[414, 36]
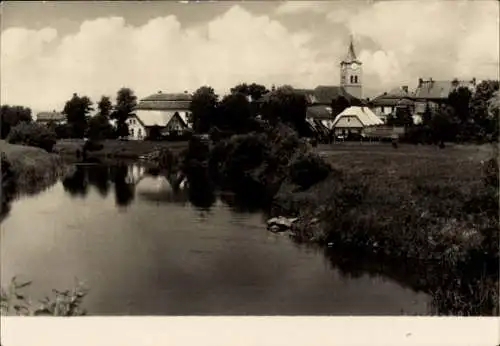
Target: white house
[353, 120]
[169, 113]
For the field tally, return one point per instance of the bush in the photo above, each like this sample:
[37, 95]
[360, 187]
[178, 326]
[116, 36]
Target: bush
[309, 169]
[32, 134]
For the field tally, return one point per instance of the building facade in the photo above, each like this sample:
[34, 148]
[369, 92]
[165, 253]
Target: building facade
[166, 113]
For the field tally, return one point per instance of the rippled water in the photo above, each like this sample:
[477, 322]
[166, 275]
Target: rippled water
[145, 248]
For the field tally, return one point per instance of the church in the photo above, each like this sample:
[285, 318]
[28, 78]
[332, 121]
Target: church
[350, 89]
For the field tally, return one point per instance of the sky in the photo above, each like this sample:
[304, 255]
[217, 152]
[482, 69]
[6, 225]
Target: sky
[49, 50]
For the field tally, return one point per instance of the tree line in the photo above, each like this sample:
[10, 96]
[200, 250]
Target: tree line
[465, 116]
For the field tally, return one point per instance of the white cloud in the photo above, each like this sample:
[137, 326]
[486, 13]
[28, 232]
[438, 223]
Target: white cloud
[297, 7]
[106, 54]
[444, 39]
[440, 39]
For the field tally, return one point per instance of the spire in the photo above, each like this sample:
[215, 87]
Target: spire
[351, 55]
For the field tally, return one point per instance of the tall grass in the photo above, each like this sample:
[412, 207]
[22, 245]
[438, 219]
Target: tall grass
[434, 213]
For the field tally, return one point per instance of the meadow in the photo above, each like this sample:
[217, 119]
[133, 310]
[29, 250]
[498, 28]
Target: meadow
[428, 212]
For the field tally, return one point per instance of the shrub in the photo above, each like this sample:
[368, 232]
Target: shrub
[62, 303]
[8, 185]
[32, 134]
[309, 169]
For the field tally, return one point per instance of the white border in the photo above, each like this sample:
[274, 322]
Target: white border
[246, 331]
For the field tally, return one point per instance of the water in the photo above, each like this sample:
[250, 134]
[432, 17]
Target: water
[145, 248]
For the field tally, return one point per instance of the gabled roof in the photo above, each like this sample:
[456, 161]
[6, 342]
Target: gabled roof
[438, 89]
[393, 97]
[324, 94]
[364, 114]
[157, 118]
[50, 116]
[163, 101]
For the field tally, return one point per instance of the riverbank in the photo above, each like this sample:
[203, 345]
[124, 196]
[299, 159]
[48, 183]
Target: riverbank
[34, 169]
[429, 212]
[116, 148]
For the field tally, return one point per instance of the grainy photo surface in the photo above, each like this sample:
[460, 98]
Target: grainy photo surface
[250, 158]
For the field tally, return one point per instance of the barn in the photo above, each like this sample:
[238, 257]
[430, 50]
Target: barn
[354, 120]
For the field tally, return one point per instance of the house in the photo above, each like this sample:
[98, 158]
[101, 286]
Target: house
[354, 120]
[53, 117]
[387, 103]
[435, 92]
[167, 113]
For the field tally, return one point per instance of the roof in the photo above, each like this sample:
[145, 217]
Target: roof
[161, 101]
[319, 112]
[351, 54]
[321, 95]
[50, 116]
[364, 114]
[324, 94]
[157, 118]
[393, 97]
[438, 89]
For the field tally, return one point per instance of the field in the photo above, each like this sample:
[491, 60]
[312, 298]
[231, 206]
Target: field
[427, 215]
[116, 148]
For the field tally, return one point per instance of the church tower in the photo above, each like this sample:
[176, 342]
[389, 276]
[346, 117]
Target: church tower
[351, 73]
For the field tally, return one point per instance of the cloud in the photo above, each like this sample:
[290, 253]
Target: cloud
[297, 7]
[43, 69]
[397, 41]
[440, 39]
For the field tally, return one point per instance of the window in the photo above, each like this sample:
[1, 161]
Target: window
[355, 79]
[352, 79]
[132, 132]
[139, 133]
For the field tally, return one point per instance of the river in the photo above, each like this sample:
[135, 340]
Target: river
[146, 248]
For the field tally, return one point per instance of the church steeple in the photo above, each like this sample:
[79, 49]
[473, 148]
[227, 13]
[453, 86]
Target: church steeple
[351, 72]
[351, 54]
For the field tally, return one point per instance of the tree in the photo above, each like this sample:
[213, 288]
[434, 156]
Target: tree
[402, 117]
[32, 134]
[339, 104]
[105, 106]
[11, 116]
[254, 90]
[234, 113]
[494, 114]
[99, 126]
[203, 109]
[77, 111]
[125, 104]
[479, 106]
[288, 106]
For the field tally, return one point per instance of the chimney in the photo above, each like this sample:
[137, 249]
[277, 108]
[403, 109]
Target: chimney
[420, 82]
[53, 111]
[405, 88]
[159, 91]
[185, 91]
[74, 94]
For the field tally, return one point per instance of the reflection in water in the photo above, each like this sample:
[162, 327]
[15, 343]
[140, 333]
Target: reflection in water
[153, 186]
[184, 261]
[101, 177]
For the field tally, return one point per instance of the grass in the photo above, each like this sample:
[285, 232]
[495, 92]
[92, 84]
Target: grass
[34, 168]
[424, 209]
[117, 149]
